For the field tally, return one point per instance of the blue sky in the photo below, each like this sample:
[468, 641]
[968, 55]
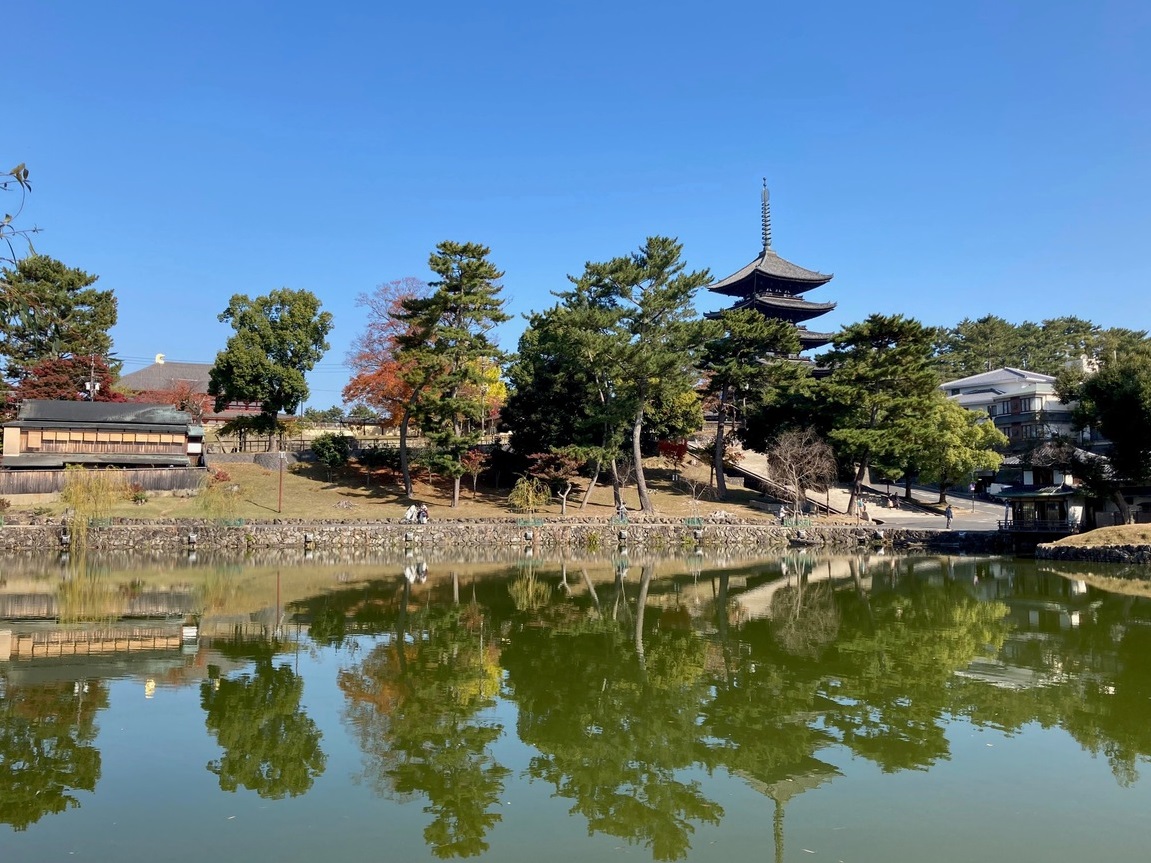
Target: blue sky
[943, 160]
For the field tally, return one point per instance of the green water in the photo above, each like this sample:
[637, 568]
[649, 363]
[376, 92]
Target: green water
[871, 708]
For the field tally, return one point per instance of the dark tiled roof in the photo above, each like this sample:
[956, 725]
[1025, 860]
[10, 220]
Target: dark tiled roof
[41, 411]
[790, 308]
[164, 377]
[806, 335]
[773, 267]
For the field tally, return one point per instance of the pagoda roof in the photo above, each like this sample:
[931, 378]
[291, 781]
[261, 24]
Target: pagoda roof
[786, 307]
[769, 269]
[811, 339]
[769, 272]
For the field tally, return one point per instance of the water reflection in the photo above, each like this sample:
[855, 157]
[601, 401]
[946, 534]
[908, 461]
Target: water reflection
[634, 683]
[46, 747]
[415, 703]
[269, 743]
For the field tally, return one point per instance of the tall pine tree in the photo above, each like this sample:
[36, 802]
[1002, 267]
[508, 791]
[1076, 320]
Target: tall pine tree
[446, 335]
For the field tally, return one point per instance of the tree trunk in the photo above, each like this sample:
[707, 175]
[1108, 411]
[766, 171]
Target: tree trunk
[857, 485]
[455, 491]
[720, 480]
[617, 492]
[640, 479]
[590, 486]
[1124, 508]
[590, 587]
[405, 468]
[644, 584]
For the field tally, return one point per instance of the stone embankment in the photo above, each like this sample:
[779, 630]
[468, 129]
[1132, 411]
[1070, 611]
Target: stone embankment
[654, 534]
[1139, 554]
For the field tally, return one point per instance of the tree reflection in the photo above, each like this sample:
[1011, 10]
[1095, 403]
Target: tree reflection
[415, 704]
[1092, 679]
[271, 746]
[46, 751]
[614, 735]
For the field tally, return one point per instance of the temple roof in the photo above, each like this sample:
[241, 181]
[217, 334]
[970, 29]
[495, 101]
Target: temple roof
[785, 307]
[769, 269]
[163, 376]
[769, 272]
[811, 339]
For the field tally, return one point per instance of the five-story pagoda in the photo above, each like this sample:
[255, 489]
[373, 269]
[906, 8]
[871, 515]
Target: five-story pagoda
[773, 287]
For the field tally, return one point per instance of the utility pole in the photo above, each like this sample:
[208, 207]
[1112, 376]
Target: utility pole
[91, 386]
[280, 502]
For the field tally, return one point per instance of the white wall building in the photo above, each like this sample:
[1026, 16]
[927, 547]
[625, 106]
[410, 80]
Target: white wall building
[1022, 404]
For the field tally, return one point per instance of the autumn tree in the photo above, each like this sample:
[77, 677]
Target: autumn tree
[474, 461]
[279, 338]
[68, 379]
[380, 380]
[445, 338]
[182, 395]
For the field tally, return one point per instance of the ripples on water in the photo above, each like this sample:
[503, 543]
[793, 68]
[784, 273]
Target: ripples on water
[858, 708]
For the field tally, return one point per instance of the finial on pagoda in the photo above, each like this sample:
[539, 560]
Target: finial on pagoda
[766, 218]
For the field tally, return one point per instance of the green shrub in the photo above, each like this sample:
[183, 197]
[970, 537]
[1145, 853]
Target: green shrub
[332, 450]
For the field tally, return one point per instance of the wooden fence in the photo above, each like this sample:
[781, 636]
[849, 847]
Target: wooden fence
[13, 482]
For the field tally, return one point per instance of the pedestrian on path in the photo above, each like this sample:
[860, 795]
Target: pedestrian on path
[948, 514]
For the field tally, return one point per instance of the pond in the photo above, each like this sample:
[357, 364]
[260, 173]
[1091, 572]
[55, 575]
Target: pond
[802, 707]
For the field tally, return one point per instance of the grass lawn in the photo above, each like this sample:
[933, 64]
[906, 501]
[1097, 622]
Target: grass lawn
[309, 493]
[1123, 534]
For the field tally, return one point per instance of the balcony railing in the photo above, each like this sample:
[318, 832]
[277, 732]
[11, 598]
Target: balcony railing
[1036, 525]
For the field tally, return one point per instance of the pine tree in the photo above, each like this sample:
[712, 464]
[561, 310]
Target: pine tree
[446, 336]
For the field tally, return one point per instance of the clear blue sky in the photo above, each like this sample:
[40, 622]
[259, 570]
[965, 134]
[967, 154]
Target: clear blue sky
[944, 160]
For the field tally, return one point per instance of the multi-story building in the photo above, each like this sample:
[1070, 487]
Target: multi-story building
[1022, 404]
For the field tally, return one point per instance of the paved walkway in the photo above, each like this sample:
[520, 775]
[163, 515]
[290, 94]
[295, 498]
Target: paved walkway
[966, 516]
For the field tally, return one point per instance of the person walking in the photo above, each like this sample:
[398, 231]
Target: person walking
[948, 514]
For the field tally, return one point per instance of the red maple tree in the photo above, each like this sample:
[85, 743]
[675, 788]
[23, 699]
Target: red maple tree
[378, 379]
[65, 379]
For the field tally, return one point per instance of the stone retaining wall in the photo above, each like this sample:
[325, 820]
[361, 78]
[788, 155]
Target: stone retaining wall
[1099, 554]
[653, 535]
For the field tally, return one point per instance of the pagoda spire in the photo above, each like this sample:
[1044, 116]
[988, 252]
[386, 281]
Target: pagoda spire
[766, 218]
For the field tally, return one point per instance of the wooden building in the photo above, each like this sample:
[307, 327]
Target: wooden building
[53, 434]
[774, 288]
[158, 446]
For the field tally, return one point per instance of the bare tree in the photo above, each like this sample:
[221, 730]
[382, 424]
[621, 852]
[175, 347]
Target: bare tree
[803, 461]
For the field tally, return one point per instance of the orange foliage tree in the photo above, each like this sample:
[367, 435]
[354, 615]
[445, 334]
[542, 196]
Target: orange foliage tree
[379, 380]
[66, 379]
[182, 395]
